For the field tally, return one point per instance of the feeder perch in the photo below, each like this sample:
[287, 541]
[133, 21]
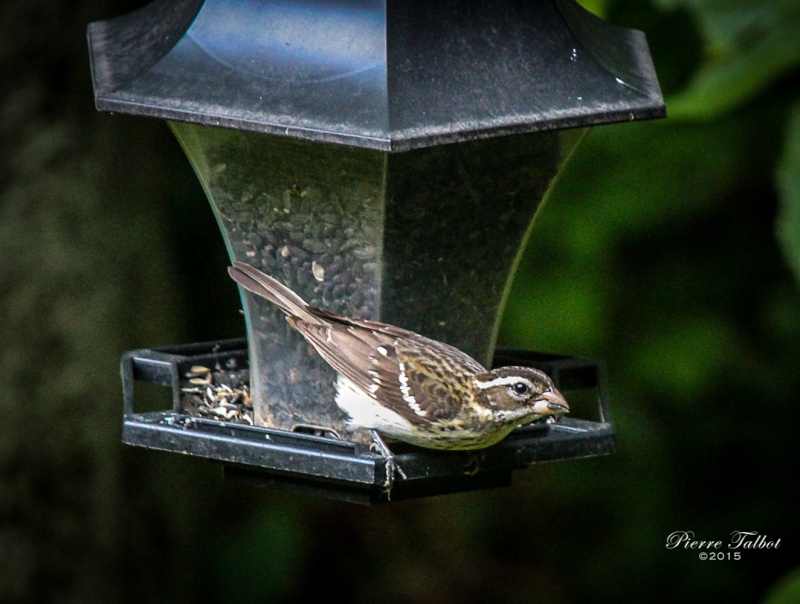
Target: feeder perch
[386, 161]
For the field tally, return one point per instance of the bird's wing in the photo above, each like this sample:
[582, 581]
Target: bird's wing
[383, 328]
[381, 366]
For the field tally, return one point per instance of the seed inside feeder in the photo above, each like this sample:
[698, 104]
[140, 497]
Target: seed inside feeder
[318, 270]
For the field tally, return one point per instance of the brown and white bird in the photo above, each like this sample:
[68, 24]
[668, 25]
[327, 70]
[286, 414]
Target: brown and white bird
[409, 387]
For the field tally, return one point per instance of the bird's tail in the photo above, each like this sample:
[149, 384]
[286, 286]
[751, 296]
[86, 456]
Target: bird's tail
[263, 285]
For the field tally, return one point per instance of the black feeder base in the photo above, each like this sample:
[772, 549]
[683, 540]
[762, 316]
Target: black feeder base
[343, 470]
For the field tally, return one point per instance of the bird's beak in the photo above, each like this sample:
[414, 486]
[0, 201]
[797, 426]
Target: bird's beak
[551, 403]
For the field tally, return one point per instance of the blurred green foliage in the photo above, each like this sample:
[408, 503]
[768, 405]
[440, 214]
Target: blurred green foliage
[667, 250]
[657, 253]
[787, 591]
[788, 177]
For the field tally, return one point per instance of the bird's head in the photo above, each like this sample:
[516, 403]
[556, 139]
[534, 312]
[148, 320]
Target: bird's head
[519, 394]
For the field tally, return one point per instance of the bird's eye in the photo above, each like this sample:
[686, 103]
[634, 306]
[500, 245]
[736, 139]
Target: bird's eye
[520, 388]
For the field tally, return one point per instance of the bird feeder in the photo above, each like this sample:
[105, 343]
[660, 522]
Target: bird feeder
[386, 161]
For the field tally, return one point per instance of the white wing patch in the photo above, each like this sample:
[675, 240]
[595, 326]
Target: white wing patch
[407, 396]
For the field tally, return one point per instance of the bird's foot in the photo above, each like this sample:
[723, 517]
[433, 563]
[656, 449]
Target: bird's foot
[392, 468]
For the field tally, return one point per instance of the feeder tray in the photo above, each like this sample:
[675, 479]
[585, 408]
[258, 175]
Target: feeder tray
[315, 463]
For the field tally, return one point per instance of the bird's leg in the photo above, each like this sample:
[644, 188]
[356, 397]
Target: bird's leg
[473, 463]
[391, 463]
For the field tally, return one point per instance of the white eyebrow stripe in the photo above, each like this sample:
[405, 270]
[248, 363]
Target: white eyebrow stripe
[507, 380]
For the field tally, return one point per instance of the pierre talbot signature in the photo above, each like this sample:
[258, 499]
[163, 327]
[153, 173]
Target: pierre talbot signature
[739, 540]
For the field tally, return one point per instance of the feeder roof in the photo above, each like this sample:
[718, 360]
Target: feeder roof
[383, 74]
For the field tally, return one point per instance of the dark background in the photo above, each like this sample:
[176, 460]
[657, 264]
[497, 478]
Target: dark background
[665, 251]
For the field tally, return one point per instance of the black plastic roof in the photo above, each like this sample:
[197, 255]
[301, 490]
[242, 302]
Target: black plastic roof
[384, 74]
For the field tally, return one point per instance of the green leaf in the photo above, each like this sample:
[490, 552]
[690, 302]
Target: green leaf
[749, 45]
[788, 180]
[787, 590]
[728, 24]
[598, 7]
